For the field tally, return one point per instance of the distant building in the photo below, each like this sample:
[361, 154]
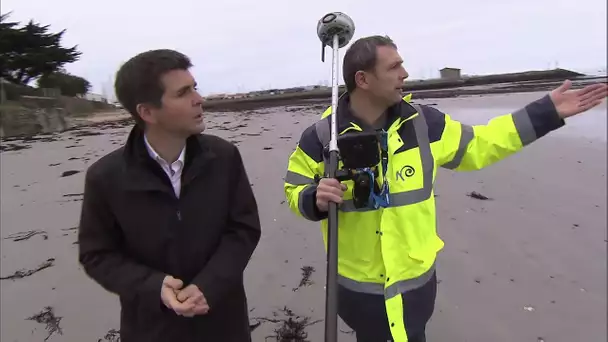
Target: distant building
[450, 73]
[94, 97]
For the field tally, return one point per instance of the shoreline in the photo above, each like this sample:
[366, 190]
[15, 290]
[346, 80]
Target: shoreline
[423, 89]
[322, 97]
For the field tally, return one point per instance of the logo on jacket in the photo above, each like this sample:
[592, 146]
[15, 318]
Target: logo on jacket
[406, 171]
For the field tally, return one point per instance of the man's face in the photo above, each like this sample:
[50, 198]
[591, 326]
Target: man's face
[386, 80]
[181, 111]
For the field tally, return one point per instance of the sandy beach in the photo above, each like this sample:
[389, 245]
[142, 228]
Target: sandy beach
[528, 264]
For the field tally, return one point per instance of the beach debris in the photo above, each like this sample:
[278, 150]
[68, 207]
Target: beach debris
[529, 308]
[43, 137]
[54, 164]
[68, 230]
[234, 128]
[85, 133]
[112, 335]
[26, 273]
[69, 173]
[13, 147]
[292, 328]
[477, 195]
[254, 326]
[74, 195]
[306, 273]
[227, 128]
[350, 332]
[47, 316]
[266, 148]
[21, 236]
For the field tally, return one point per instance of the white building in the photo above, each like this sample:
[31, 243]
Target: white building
[94, 97]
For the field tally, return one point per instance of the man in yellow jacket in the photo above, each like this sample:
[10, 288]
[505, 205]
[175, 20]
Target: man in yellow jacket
[388, 245]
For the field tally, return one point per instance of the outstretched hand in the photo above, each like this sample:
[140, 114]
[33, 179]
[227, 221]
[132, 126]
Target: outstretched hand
[571, 102]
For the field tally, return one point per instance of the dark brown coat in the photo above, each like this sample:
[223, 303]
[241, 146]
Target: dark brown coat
[134, 231]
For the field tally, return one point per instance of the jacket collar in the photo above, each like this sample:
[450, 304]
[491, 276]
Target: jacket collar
[152, 152]
[401, 110]
[144, 173]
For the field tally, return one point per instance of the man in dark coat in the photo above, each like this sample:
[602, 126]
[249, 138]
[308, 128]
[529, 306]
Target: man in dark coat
[169, 221]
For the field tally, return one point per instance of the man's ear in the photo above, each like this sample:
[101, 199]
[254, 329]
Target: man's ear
[361, 79]
[144, 111]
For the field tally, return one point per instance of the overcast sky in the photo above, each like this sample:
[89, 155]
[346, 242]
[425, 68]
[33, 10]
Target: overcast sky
[239, 45]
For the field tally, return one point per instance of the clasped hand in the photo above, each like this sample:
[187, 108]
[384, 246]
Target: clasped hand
[186, 302]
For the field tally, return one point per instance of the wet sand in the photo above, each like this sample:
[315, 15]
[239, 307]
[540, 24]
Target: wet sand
[527, 265]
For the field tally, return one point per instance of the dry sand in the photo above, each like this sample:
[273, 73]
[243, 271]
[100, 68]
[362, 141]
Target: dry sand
[528, 265]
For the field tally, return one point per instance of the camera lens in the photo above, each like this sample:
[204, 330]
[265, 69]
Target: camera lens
[361, 190]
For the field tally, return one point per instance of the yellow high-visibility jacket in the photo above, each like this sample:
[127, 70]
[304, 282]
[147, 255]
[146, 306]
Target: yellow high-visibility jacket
[392, 250]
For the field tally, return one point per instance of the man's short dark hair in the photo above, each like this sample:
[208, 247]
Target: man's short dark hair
[362, 55]
[139, 79]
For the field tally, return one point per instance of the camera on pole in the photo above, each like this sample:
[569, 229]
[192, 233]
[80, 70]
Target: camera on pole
[335, 29]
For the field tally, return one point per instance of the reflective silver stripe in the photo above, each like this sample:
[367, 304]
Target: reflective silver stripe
[408, 284]
[391, 291]
[428, 162]
[349, 206]
[323, 131]
[297, 179]
[414, 196]
[466, 135]
[301, 203]
[358, 286]
[524, 126]
[396, 199]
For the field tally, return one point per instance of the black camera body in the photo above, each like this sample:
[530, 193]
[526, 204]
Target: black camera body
[359, 150]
